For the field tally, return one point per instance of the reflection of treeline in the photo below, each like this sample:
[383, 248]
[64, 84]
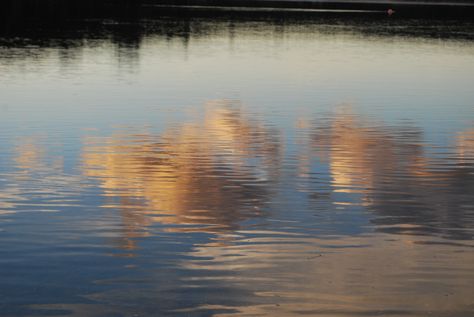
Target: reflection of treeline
[60, 9]
[21, 15]
[54, 10]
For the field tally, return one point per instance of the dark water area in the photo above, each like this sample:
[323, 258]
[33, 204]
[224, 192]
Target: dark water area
[237, 165]
[17, 14]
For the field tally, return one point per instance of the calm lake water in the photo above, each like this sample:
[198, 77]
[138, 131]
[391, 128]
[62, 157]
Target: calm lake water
[248, 167]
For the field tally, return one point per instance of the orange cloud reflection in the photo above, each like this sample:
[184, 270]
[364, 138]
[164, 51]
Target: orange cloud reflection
[206, 175]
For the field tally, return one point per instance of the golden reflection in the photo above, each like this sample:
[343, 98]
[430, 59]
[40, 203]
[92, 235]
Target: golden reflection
[360, 153]
[8, 196]
[206, 175]
[270, 273]
[365, 156]
[465, 145]
[344, 276]
[210, 174]
[31, 156]
[38, 173]
[394, 173]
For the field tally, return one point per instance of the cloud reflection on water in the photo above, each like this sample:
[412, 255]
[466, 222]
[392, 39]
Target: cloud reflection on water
[204, 176]
[226, 166]
[135, 198]
[396, 174]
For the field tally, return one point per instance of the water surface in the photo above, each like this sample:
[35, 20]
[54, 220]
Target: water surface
[248, 167]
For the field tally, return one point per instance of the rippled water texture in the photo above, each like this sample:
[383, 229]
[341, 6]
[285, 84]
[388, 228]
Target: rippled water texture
[238, 167]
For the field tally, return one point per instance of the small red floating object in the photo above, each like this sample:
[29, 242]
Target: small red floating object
[390, 12]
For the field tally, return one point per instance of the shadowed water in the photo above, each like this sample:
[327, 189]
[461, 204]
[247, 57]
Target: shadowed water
[248, 167]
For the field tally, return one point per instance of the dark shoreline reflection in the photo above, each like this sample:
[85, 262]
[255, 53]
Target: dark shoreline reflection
[30, 44]
[15, 31]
